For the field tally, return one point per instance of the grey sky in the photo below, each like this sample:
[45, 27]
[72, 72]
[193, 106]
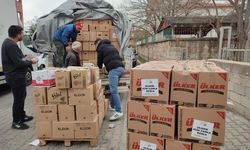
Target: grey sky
[38, 8]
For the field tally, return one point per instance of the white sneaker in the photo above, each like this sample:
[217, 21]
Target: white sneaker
[111, 109]
[116, 116]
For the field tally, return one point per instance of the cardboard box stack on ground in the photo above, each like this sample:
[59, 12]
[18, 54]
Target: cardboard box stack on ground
[73, 110]
[92, 30]
[180, 102]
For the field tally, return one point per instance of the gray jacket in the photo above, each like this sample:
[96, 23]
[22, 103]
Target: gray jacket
[72, 59]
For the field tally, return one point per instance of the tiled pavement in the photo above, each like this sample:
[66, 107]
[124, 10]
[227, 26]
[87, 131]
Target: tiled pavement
[237, 131]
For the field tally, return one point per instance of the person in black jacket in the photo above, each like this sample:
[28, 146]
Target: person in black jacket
[73, 58]
[109, 56]
[15, 67]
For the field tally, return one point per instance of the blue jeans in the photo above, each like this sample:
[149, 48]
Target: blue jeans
[114, 76]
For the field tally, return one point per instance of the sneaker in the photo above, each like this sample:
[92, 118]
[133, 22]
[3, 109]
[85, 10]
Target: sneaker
[111, 108]
[19, 126]
[116, 116]
[27, 118]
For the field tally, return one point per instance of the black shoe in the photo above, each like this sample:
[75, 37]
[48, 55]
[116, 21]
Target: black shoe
[27, 118]
[19, 126]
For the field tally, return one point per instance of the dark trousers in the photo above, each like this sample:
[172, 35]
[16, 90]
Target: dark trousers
[18, 88]
[60, 54]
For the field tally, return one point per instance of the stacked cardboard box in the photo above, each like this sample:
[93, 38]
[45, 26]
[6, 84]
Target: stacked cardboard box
[176, 105]
[74, 108]
[92, 30]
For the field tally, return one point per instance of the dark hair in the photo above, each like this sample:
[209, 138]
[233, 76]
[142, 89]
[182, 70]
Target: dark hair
[14, 30]
[97, 40]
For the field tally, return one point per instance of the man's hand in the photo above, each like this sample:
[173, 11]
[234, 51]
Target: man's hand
[34, 60]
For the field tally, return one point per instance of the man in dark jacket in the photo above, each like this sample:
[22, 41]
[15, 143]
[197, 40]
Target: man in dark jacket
[73, 58]
[61, 40]
[109, 56]
[15, 67]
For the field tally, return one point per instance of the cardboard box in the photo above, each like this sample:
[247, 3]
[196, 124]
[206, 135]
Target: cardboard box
[81, 78]
[80, 36]
[116, 45]
[213, 87]
[40, 95]
[99, 35]
[151, 84]
[184, 86]
[94, 27]
[81, 96]
[46, 113]
[86, 25]
[63, 79]
[97, 90]
[63, 130]
[92, 55]
[43, 78]
[112, 34]
[85, 46]
[92, 36]
[44, 129]
[92, 46]
[57, 96]
[86, 36]
[100, 111]
[138, 117]
[86, 129]
[105, 35]
[162, 122]
[95, 74]
[189, 118]
[85, 55]
[86, 112]
[104, 28]
[178, 145]
[197, 146]
[66, 113]
[105, 22]
[106, 106]
[134, 141]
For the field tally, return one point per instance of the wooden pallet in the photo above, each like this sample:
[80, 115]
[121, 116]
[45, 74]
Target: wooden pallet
[67, 142]
[182, 103]
[201, 142]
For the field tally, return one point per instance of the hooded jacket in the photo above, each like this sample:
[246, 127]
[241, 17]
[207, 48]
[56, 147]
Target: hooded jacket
[108, 55]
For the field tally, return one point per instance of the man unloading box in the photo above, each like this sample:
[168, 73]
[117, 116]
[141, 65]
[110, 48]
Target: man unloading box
[61, 41]
[15, 67]
[109, 56]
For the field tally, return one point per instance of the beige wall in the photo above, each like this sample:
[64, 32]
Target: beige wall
[239, 85]
[172, 49]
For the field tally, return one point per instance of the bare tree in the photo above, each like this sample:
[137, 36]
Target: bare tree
[147, 14]
[242, 11]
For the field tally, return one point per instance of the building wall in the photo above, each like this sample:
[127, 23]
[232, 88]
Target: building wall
[239, 85]
[203, 48]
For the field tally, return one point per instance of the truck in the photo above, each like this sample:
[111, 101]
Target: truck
[9, 16]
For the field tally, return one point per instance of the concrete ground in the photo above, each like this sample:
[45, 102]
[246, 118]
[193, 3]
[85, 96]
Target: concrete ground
[237, 130]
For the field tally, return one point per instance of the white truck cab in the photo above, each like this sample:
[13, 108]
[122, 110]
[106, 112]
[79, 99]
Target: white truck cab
[8, 17]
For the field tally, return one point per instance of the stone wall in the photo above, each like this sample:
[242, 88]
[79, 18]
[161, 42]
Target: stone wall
[203, 48]
[239, 85]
